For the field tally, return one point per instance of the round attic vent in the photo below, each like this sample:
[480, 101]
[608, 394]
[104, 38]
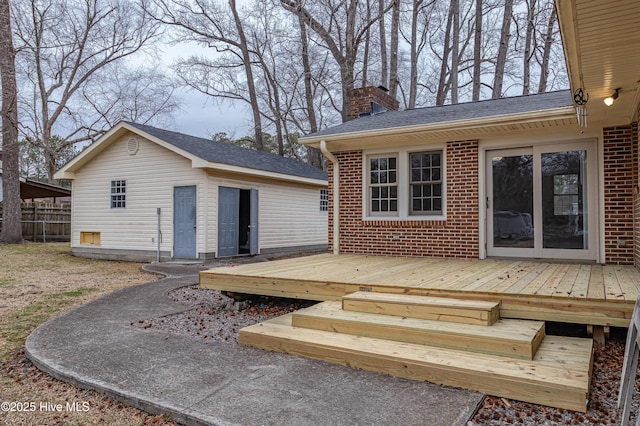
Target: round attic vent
[132, 146]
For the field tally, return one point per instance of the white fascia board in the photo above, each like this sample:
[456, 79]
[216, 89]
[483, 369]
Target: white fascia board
[467, 124]
[258, 173]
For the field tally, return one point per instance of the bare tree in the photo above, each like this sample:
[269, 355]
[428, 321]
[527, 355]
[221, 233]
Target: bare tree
[246, 59]
[11, 206]
[393, 65]
[477, 51]
[529, 48]
[443, 84]
[223, 29]
[343, 45]
[142, 94]
[384, 64]
[501, 60]
[63, 44]
[455, 50]
[546, 51]
[314, 154]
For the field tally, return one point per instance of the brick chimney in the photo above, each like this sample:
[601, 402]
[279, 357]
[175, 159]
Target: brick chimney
[371, 99]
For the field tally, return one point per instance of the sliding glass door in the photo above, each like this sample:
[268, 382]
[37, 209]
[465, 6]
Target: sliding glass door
[541, 202]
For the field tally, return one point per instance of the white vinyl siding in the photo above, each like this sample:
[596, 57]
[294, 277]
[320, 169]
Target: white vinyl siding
[151, 175]
[288, 213]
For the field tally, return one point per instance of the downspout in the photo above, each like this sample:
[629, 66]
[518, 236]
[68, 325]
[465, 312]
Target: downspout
[336, 196]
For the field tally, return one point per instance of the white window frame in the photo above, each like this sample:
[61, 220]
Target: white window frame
[324, 200]
[403, 181]
[369, 185]
[114, 197]
[426, 182]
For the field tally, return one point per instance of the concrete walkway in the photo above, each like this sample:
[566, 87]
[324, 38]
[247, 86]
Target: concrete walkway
[94, 346]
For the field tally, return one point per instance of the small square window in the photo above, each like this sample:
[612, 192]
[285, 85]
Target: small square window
[324, 200]
[118, 194]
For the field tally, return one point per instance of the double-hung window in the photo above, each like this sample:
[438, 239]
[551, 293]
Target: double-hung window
[118, 194]
[407, 184]
[426, 183]
[383, 185]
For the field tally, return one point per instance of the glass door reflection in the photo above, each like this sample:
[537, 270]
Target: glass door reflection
[512, 201]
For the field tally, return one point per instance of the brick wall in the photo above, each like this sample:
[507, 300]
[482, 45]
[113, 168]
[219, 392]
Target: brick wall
[362, 97]
[620, 183]
[457, 237]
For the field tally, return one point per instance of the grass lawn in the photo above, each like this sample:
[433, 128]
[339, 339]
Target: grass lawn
[37, 282]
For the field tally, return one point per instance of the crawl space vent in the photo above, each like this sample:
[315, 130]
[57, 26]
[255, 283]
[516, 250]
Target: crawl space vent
[132, 146]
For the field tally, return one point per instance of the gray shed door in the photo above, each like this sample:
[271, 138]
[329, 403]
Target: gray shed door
[228, 221]
[184, 221]
[253, 226]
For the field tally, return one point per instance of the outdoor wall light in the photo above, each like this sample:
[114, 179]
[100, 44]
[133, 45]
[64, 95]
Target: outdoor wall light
[608, 101]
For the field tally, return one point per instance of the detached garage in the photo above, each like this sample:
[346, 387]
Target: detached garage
[141, 193]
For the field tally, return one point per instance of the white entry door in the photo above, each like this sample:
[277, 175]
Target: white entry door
[542, 202]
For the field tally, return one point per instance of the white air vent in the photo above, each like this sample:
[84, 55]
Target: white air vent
[132, 146]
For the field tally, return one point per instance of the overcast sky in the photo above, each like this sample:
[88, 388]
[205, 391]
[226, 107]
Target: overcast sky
[201, 115]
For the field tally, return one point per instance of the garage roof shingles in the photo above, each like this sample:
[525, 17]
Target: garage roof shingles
[218, 152]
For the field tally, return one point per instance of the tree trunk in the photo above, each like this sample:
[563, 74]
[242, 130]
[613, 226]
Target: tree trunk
[365, 56]
[477, 53]
[455, 50]
[251, 87]
[393, 66]
[441, 96]
[548, 42]
[413, 85]
[11, 211]
[314, 156]
[383, 47]
[528, 40]
[502, 50]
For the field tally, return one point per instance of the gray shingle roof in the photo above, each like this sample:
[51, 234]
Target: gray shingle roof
[445, 113]
[219, 152]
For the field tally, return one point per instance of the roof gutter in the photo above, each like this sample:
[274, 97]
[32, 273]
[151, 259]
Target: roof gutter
[566, 112]
[336, 195]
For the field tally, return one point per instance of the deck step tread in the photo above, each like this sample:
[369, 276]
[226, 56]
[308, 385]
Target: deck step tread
[510, 338]
[558, 376]
[424, 307]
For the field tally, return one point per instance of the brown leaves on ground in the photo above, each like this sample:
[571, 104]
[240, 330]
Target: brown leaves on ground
[603, 396]
[37, 282]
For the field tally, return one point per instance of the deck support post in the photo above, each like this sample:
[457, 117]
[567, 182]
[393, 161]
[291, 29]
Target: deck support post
[599, 333]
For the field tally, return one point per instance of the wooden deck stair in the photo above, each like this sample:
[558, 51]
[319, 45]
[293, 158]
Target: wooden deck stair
[425, 307]
[511, 358]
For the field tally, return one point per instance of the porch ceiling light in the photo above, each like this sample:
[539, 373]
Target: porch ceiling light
[608, 101]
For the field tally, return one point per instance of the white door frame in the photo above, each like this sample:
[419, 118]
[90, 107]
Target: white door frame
[593, 203]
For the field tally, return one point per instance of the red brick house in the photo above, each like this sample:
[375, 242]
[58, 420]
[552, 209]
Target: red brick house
[513, 177]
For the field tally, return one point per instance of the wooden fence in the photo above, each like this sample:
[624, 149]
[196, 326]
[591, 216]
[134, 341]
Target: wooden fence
[44, 222]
